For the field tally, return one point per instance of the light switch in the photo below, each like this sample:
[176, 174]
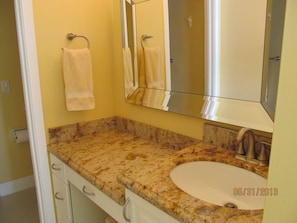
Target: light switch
[5, 86]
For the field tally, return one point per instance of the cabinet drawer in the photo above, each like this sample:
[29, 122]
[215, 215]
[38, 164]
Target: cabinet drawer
[62, 200]
[96, 195]
[57, 168]
[144, 212]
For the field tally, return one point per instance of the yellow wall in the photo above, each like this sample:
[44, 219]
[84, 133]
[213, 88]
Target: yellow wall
[53, 20]
[15, 159]
[100, 22]
[283, 165]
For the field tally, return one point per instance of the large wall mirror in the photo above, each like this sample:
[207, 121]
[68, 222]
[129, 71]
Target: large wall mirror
[214, 59]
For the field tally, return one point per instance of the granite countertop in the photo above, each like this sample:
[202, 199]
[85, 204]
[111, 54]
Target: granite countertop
[153, 183]
[115, 159]
[100, 159]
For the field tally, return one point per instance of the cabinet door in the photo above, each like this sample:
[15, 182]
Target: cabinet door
[62, 200]
[144, 212]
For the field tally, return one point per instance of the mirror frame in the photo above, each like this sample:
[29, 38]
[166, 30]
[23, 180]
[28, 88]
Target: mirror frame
[231, 111]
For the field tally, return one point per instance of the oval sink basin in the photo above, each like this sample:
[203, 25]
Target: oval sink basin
[221, 184]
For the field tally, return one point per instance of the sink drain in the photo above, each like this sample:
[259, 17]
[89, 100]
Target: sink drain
[230, 205]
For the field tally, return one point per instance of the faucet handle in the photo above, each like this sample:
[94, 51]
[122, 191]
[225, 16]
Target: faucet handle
[240, 150]
[263, 156]
[240, 153]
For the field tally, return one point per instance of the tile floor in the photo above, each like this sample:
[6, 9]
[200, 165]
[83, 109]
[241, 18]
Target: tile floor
[20, 207]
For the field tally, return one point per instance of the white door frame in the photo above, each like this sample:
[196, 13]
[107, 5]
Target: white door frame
[34, 113]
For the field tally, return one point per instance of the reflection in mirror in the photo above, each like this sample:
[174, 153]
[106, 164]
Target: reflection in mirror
[239, 52]
[146, 82]
[186, 37]
[202, 60]
[236, 66]
[150, 44]
[129, 49]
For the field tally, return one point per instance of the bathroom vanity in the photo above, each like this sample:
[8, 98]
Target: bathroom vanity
[123, 167]
[78, 200]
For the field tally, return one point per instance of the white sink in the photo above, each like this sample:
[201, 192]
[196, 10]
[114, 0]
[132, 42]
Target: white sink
[221, 184]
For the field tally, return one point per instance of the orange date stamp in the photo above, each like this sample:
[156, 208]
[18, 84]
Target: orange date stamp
[255, 191]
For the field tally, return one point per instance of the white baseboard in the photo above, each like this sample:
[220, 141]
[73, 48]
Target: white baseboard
[16, 185]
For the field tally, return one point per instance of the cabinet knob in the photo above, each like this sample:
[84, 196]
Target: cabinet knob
[125, 210]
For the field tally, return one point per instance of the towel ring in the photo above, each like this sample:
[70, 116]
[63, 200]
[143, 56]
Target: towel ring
[144, 37]
[71, 36]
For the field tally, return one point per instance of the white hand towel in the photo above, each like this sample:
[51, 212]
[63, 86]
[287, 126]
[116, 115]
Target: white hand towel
[78, 79]
[154, 75]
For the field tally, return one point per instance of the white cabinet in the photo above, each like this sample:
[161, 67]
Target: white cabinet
[138, 210]
[61, 191]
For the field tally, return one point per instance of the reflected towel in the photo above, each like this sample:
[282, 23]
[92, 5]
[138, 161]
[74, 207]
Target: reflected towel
[128, 71]
[136, 97]
[78, 79]
[141, 71]
[154, 98]
[153, 73]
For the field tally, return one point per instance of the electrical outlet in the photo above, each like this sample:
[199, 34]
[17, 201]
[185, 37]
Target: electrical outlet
[5, 86]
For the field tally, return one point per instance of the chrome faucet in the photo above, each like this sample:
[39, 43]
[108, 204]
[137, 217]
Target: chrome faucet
[249, 154]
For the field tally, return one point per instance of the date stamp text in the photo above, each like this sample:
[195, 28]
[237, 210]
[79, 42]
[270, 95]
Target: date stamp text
[255, 191]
